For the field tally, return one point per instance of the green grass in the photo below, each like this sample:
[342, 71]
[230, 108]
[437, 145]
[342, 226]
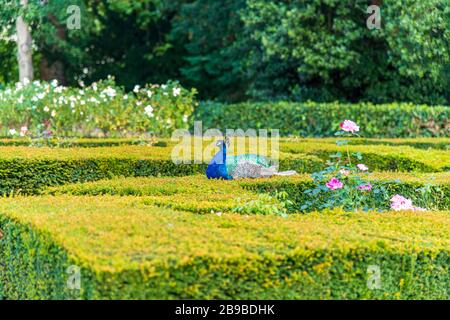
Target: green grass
[127, 249]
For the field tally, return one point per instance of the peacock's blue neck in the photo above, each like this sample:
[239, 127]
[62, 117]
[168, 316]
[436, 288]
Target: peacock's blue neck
[224, 153]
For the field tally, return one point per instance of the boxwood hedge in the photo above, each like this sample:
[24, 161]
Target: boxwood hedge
[125, 249]
[28, 169]
[200, 195]
[314, 119]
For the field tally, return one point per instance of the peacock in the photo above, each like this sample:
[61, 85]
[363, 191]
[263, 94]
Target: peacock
[241, 166]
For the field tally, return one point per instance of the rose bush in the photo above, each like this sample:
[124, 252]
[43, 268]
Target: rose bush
[41, 109]
[343, 184]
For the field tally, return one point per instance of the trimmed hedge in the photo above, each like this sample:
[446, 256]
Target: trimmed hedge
[82, 142]
[378, 157]
[311, 119]
[419, 143]
[200, 195]
[129, 250]
[27, 169]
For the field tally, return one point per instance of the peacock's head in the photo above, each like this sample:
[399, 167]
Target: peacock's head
[223, 143]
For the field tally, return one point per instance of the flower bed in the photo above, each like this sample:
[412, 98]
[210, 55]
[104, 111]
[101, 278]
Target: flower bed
[42, 109]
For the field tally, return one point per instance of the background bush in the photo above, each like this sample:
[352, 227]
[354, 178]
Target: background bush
[321, 119]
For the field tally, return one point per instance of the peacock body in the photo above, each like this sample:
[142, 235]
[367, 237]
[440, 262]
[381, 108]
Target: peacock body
[241, 166]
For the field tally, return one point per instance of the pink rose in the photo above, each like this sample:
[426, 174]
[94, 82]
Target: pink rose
[362, 167]
[349, 126]
[23, 131]
[366, 187]
[399, 202]
[334, 184]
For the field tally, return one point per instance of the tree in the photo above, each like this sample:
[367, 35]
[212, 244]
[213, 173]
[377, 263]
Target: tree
[24, 43]
[328, 53]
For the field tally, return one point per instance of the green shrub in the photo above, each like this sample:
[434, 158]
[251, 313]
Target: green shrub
[128, 250]
[311, 119]
[43, 110]
[322, 50]
[430, 196]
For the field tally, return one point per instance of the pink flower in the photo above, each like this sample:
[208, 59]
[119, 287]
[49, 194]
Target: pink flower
[349, 126]
[344, 172]
[362, 167]
[366, 187]
[399, 202]
[23, 131]
[334, 184]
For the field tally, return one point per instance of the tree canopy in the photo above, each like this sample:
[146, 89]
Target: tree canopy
[236, 50]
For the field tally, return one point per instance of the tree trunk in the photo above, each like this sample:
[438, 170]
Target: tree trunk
[24, 43]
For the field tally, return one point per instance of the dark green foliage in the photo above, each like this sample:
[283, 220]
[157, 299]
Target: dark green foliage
[209, 31]
[323, 51]
[321, 120]
[235, 50]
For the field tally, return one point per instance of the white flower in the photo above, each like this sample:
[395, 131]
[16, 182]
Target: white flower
[176, 91]
[149, 111]
[53, 114]
[163, 87]
[109, 92]
[136, 89]
[40, 96]
[26, 81]
[85, 70]
[46, 109]
[54, 83]
[185, 118]
[149, 93]
[125, 97]
[12, 132]
[59, 89]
